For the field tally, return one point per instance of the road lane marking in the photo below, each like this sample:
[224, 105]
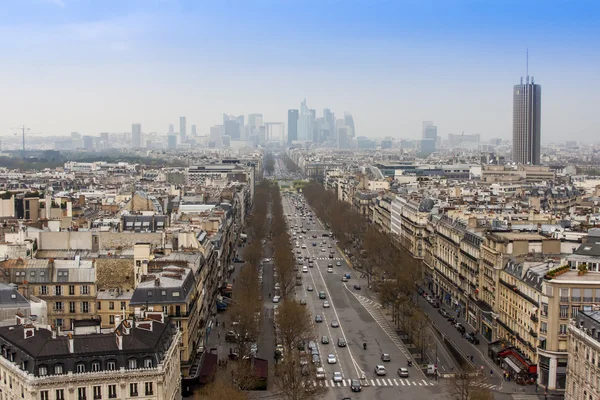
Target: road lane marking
[372, 382]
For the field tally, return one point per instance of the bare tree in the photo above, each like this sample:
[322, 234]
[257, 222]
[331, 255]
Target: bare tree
[295, 323]
[245, 312]
[294, 379]
[421, 335]
[220, 389]
[467, 386]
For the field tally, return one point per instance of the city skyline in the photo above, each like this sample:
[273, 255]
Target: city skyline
[112, 57]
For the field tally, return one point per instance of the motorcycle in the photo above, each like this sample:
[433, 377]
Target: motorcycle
[365, 346]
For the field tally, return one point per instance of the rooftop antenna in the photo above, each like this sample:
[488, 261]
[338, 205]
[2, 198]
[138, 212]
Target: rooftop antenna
[22, 130]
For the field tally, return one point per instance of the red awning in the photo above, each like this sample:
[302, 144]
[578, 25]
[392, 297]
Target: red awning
[208, 369]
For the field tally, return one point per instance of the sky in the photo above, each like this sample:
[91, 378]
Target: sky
[94, 66]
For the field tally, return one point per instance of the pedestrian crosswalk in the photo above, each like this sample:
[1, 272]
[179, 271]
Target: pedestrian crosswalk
[367, 300]
[525, 397]
[328, 259]
[487, 386]
[377, 382]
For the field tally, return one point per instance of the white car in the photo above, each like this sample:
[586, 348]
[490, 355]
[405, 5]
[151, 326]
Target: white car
[276, 299]
[331, 359]
[325, 304]
[323, 250]
[320, 373]
[303, 246]
[305, 269]
[337, 377]
[330, 270]
[380, 370]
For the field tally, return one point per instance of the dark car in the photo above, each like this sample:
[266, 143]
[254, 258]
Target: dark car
[341, 342]
[435, 304]
[355, 385]
[331, 256]
[318, 318]
[356, 287]
[322, 295]
[471, 338]
[459, 327]
[451, 319]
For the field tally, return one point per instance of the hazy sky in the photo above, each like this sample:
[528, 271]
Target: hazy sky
[100, 65]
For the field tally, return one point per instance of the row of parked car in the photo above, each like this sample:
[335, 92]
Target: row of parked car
[470, 336]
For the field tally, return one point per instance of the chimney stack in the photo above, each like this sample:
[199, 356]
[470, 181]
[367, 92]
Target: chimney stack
[117, 321]
[71, 344]
[119, 340]
[19, 319]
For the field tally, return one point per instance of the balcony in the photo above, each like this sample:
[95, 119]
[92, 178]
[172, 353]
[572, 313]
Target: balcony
[534, 318]
[564, 299]
[575, 299]
[588, 299]
[533, 333]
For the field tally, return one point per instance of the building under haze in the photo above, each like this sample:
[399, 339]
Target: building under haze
[305, 123]
[182, 129]
[429, 137]
[136, 136]
[292, 125]
[527, 109]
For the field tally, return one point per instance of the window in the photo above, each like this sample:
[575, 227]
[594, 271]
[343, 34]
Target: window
[112, 391]
[99, 305]
[111, 319]
[81, 393]
[95, 366]
[85, 307]
[71, 290]
[44, 395]
[111, 365]
[58, 306]
[133, 389]
[562, 329]
[43, 289]
[58, 290]
[148, 387]
[80, 368]
[42, 371]
[59, 322]
[111, 305]
[544, 327]
[175, 294]
[85, 289]
[123, 305]
[58, 369]
[71, 306]
[97, 392]
[544, 309]
[564, 311]
[148, 363]
[60, 394]
[132, 363]
[574, 311]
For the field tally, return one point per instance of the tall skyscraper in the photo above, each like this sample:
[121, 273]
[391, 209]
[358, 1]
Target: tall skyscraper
[429, 137]
[527, 108]
[349, 121]
[305, 123]
[255, 120]
[194, 132]
[136, 136]
[182, 129]
[171, 129]
[292, 125]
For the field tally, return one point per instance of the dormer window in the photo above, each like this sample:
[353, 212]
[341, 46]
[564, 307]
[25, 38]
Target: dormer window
[42, 370]
[80, 368]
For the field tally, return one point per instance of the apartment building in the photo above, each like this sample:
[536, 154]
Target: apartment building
[172, 292]
[583, 374]
[68, 287]
[111, 303]
[409, 221]
[139, 359]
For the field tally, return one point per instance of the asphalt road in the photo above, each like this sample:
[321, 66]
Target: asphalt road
[356, 324]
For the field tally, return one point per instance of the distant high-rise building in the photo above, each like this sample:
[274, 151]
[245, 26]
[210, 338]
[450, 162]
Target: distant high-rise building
[232, 129]
[429, 137]
[182, 129]
[255, 120]
[305, 123]
[194, 132]
[328, 128]
[292, 125]
[171, 129]
[136, 136]
[527, 108]
[172, 142]
[349, 122]
[215, 135]
[88, 142]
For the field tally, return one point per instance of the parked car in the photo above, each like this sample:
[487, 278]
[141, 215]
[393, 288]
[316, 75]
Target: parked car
[403, 372]
[316, 359]
[459, 327]
[451, 319]
[303, 302]
[443, 313]
[356, 287]
[320, 373]
[472, 338]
